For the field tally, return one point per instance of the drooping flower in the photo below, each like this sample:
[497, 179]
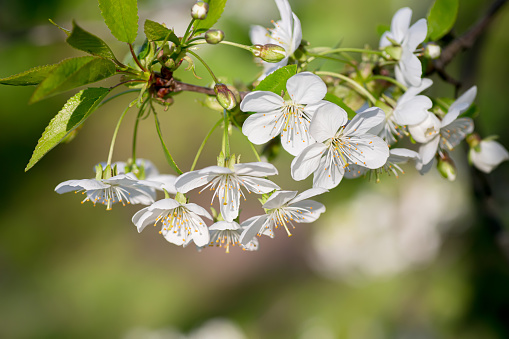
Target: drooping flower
[148, 173]
[290, 118]
[408, 71]
[435, 135]
[224, 234]
[180, 222]
[283, 208]
[397, 156]
[287, 33]
[123, 188]
[487, 155]
[410, 109]
[340, 144]
[228, 183]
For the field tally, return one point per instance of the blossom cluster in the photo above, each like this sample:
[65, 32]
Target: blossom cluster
[395, 123]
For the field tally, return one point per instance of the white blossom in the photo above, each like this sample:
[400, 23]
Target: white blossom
[435, 135]
[340, 144]
[151, 176]
[488, 155]
[228, 183]
[181, 223]
[123, 188]
[408, 70]
[287, 33]
[290, 118]
[283, 208]
[224, 234]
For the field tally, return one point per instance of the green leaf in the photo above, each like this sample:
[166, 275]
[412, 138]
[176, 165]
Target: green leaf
[66, 31]
[72, 73]
[441, 18]
[121, 16]
[216, 8]
[157, 32]
[87, 42]
[338, 101]
[276, 81]
[31, 77]
[73, 114]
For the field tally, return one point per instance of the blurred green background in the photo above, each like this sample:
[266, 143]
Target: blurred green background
[417, 257]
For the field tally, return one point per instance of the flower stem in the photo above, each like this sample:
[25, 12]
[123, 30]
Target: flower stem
[224, 42]
[112, 145]
[389, 79]
[204, 142]
[117, 95]
[135, 133]
[204, 64]
[351, 50]
[226, 137]
[136, 58]
[169, 158]
[188, 31]
[250, 143]
[355, 85]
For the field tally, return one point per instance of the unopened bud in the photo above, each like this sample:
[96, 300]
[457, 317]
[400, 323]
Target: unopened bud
[432, 51]
[446, 167]
[199, 10]
[214, 36]
[269, 52]
[225, 97]
[394, 52]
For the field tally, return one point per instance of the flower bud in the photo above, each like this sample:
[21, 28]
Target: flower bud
[446, 167]
[394, 52]
[225, 97]
[214, 36]
[269, 52]
[432, 51]
[199, 10]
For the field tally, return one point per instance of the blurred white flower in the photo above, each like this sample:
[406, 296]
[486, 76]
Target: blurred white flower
[408, 70]
[218, 328]
[488, 155]
[224, 234]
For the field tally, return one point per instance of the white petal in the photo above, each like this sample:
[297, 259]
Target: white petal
[297, 35]
[329, 178]
[384, 42]
[164, 204]
[372, 152]
[401, 155]
[261, 101]
[279, 198]
[197, 209]
[416, 35]
[308, 194]
[354, 171]
[311, 108]
[258, 185]
[167, 182]
[258, 35]
[459, 106]
[257, 169]
[224, 225]
[285, 11]
[201, 235]
[307, 161]
[426, 130]
[83, 184]
[413, 91]
[326, 122]
[410, 69]
[313, 209]
[296, 137]
[229, 205]
[413, 111]
[455, 132]
[191, 180]
[364, 121]
[400, 23]
[253, 229]
[491, 154]
[145, 217]
[428, 150]
[306, 88]
[262, 127]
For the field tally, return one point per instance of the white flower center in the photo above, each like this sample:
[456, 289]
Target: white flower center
[225, 238]
[108, 196]
[179, 221]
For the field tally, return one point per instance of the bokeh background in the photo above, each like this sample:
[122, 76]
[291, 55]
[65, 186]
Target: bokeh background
[414, 257]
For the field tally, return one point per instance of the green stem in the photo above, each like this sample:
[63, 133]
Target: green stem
[204, 64]
[135, 133]
[136, 58]
[389, 79]
[226, 137]
[112, 145]
[351, 50]
[203, 144]
[355, 85]
[234, 44]
[250, 143]
[169, 158]
[188, 30]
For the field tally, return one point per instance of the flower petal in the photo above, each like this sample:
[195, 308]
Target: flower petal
[326, 122]
[371, 151]
[310, 209]
[224, 225]
[253, 229]
[258, 185]
[145, 217]
[413, 91]
[428, 150]
[197, 209]
[191, 180]
[308, 194]
[296, 137]
[413, 111]
[416, 35]
[256, 169]
[490, 155]
[258, 35]
[307, 161]
[460, 105]
[261, 101]
[296, 36]
[306, 88]
[262, 127]
[82, 184]
[279, 198]
[455, 132]
[400, 23]
[401, 155]
[409, 70]
[364, 121]
[327, 175]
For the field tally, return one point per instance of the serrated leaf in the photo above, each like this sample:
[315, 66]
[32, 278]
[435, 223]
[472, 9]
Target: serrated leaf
[338, 101]
[156, 32]
[72, 73]
[121, 17]
[441, 18]
[216, 8]
[276, 81]
[73, 114]
[33, 76]
[87, 42]
[65, 30]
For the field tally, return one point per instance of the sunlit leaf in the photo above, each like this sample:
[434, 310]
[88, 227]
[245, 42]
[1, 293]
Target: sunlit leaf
[276, 81]
[157, 32]
[121, 17]
[216, 8]
[33, 76]
[441, 18]
[87, 42]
